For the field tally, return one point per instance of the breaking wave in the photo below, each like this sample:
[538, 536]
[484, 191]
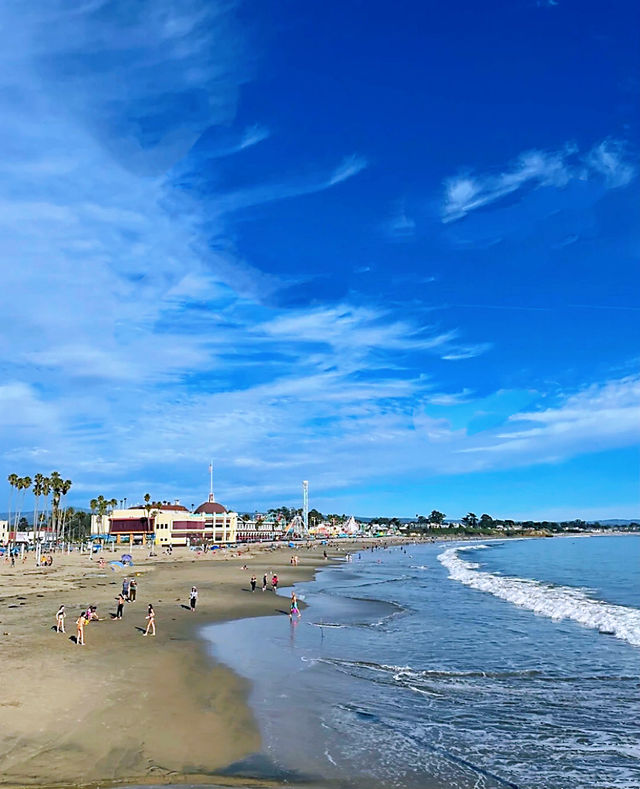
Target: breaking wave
[555, 602]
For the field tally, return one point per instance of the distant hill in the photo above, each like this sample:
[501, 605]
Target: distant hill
[606, 522]
[616, 522]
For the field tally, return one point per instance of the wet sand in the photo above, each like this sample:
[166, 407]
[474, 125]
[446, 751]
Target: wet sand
[124, 708]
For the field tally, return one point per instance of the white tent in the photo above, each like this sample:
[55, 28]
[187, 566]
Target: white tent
[351, 526]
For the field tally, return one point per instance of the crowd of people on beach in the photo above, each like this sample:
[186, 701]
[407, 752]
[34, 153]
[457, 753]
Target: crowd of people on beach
[293, 609]
[128, 594]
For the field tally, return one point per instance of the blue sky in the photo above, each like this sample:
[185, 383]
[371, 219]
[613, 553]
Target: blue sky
[388, 248]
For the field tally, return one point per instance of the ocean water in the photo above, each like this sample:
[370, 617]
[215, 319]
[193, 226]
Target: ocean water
[507, 663]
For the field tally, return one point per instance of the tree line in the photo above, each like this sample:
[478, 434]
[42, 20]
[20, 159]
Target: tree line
[50, 491]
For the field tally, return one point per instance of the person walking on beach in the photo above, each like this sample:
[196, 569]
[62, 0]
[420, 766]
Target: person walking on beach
[60, 620]
[253, 582]
[151, 621]
[264, 582]
[294, 607]
[274, 583]
[121, 601]
[133, 589]
[193, 598]
[125, 588]
[80, 623]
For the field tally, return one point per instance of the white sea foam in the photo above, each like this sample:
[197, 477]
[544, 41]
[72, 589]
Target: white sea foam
[556, 602]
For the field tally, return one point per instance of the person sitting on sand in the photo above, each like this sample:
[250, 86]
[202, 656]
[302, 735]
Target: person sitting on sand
[60, 620]
[80, 623]
[151, 621]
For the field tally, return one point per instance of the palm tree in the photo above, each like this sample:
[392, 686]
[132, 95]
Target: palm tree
[147, 506]
[65, 487]
[56, 482]
[93, 506]
[12, 479]
[38, 481]
[24, 485]
[46, 490]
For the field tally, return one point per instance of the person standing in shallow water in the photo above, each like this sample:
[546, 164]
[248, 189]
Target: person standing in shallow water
[293, 610]
[193, 598]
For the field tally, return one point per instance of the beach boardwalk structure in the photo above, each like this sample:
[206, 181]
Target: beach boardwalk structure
[168, 524]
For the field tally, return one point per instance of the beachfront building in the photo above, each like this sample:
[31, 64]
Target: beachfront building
[220, 525]
[168, 525]
[4, 532]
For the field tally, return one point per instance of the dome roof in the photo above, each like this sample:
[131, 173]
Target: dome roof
[211, 508]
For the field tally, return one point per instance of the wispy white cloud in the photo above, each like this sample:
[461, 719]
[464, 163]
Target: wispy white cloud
[468, 192]
[595, 418]
[349, 167]
[268, 193]
[608, 159]
[455, 398]
[467, 351]
[400, 226]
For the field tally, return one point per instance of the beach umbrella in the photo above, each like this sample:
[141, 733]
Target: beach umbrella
[126, 557]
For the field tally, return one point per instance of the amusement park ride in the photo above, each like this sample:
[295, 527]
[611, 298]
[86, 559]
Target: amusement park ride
[299, 526]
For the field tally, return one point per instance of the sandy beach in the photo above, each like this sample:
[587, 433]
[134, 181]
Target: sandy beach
[125, 708]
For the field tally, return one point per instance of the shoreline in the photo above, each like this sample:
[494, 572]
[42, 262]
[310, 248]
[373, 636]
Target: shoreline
[126, 710]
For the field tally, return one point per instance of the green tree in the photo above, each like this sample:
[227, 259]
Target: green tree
[12, 479]
[56, 482]
[470, 520]
[64, 487]
[148, 505]
[486, 521]
[436, 517]
[38, 487]
[46, 490]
